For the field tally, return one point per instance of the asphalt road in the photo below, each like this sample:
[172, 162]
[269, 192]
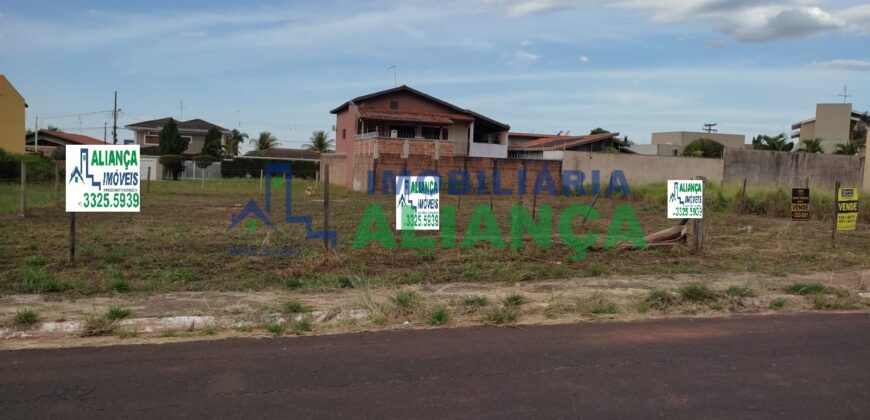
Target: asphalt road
[810, 366]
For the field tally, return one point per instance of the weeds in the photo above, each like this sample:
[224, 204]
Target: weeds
[116, 313]
[697, 292]
[26, 316]
[97, 325]
[438, 316]
[406, 302]
[503, 315]
[275, 328]
[124, 334]
[118, 283]
[739, 291]
[605, 309]
[294, 306]
[301, 326]
[515, 300]
[475, 302]
[292, 283]
[660, 299]
[778, 303]
[805, 288]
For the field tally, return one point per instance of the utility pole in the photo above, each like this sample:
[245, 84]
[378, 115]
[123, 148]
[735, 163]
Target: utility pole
[181, 111]
[36, 135]
[395, 82]
[115, 123]
[105, 130]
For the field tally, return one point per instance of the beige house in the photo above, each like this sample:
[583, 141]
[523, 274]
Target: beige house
[147, 134]
[11, 117]
[834, 124]
[672, 143]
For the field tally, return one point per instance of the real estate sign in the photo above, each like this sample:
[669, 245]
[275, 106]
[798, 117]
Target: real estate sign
[685, 199]
[418, 205]
[102, 178]
[800, 204]
[847, 208]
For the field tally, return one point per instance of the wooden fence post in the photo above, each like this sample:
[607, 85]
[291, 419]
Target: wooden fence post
[698, 230]
[148, 180]
[72, 237]
[56, 184]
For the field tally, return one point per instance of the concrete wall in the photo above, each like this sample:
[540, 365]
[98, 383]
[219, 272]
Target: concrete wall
[832, 125]
[643, 169]
[657, 149]
[790, 170]
[11, 118]
[338, 167]
[684, 138]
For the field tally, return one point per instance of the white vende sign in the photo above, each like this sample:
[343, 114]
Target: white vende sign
[685, 199]
[102, 178]
[418, 205]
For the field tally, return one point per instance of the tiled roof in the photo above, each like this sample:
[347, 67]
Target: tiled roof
[64, 137]
[405, 88]
[564, 142]
[195, 124]
[425, 117]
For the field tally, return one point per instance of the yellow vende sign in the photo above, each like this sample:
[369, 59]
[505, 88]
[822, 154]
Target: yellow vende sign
[847, 209]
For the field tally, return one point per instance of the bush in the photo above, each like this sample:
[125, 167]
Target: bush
[806, 288]
[173, 163]
[704, 148]
[660, 299]
[39, 167]
[438, 316]
[697, 292]
[26, 316]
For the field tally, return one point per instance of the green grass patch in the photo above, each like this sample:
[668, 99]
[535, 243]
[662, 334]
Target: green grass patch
[778, 303]
[294, 306]
[660, 299]
[26, 316]
[97, 325]
[697, 292]
[301, 326]
[805, 288]
[292, 283]
[739, 291]
[475, 302]
[275, 328]
[503, 315]
[119, 283]
[117, 312]
[514, 299]
[438, 316]
[406, 301]
[605, 309]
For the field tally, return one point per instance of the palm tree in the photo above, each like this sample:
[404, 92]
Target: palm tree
[859, 134]
[266, 141]
[812, 146]
[778, 143]
[319, 142]
[231, 148]
[850, 148]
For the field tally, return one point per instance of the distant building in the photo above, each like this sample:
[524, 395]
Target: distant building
[403, 118]
[551, 146]
[11, 117]
[672, 143]
[147, 134]
[834, 124]
[50, 140]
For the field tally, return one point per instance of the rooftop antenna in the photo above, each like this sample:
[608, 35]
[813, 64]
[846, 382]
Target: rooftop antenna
[845, 94]
[395, 82]
[181, 111]
[708, 127]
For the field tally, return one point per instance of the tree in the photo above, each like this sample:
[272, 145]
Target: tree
[812, 146]
[778, 143]
[598, 130]
[319, 142]
[859, 134]
[212, 144]
[704, 148]
[264, 142]
[851, 148]
[52, 128]
[171, 146]
[231, 148]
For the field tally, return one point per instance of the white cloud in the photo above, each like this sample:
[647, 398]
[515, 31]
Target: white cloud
[747, 20]
[583, 59]
[525, 58]
[854, 65]
[524, 43]
[529, 7]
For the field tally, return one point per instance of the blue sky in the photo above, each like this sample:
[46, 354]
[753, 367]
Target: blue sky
[633, 66]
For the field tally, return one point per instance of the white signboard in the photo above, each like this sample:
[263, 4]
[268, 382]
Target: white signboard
[102, 178]
[418, 204]
[686, 199]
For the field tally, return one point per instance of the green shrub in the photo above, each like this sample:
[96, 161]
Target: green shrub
[116, 312]
[294, 306]
[602, 309]
[660, 299]
[276, 328]
[26, 316]
[503, 315]
[739, 291]
[778, 303]
[805, 288]
[301, 326]
[514, 299]
[405, 301]
[292, 283]
[438, 316]
[475, 301]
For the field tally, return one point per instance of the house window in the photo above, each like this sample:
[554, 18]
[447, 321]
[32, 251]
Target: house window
[343, 133]
[152, 139]
[394, 104]
[445, 134]
[432, 133]
[404, 132]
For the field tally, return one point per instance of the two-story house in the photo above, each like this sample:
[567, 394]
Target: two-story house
[147, 134]
[11, 117]
[403, 118]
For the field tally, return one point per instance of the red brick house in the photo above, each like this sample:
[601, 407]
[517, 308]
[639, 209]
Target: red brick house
[403, 120]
